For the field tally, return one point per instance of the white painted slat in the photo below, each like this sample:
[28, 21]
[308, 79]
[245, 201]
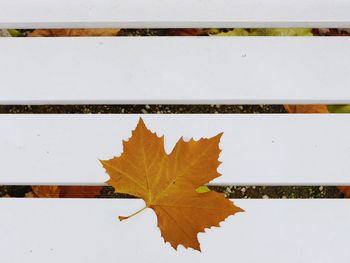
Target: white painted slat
[174, 70]
[288, 231]
[174, 13]
[272, 149]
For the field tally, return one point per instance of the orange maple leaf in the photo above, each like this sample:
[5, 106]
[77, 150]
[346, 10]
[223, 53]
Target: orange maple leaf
[168, 183]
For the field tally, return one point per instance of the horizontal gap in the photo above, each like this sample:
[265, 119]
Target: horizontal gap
[171, 31]
[234, 192]
[170, 108]
[141, 109]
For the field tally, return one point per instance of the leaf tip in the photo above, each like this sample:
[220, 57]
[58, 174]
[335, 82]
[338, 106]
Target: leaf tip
[240, 210]
[104, 163]
[141, 123]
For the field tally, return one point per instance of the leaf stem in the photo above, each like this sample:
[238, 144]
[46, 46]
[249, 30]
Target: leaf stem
[121, 218]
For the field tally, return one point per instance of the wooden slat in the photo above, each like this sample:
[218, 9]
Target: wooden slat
[259, 149]
[174, 70]
[289, 231]
[174, 13]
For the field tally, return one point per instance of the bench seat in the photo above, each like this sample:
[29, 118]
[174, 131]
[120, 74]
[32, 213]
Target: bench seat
[57, 230]
[271, 149]
[177, 70]
[262, 149]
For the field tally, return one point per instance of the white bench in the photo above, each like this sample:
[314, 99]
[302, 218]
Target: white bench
[257, 149]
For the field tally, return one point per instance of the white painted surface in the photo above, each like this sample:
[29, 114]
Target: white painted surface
[87, 231]
[174, 13]
[175, 70]
[256, 149]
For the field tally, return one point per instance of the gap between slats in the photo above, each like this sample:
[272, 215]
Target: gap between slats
[174, 13]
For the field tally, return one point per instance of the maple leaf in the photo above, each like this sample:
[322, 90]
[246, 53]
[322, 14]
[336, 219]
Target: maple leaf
[168, 183]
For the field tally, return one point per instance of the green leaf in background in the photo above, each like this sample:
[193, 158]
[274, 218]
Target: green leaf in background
[14, 32]
[339, 108]
[202, 189]
[268, 32]
[286, 32]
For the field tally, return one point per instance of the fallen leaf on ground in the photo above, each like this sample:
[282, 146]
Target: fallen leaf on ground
[185, 32]
[267, 32]
[4, 33]
[168, 183]
[80, 191]
[339, 108]
[74, 32]
[345, 190]
[66, 191]
[306, 108]
[46, 191]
